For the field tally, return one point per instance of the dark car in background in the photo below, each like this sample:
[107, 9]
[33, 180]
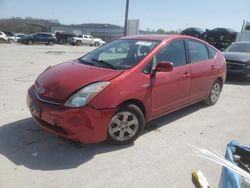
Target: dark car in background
[220, 37]
[237, 57]
[64, 37]
[193, 31]
[39, 38]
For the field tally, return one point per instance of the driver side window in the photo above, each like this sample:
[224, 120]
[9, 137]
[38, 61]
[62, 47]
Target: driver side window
[173, 52]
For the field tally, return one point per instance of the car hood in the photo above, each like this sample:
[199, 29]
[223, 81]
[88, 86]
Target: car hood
[237, 56]
[59, 82]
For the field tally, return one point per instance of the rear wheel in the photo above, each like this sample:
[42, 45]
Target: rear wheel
[126, 125]
[10, 41]
[214, 93]
[30, 42]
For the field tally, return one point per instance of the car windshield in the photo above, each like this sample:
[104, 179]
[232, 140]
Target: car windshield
[119, 54]
[239, 47]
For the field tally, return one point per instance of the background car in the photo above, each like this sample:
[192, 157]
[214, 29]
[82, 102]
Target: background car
[87, 40]
[193, 31]
[11, 36]
[220, 37]
[113, 91]
[39, 38]
[64, 37]
[237, 57]
[3, 37]
[18, 36]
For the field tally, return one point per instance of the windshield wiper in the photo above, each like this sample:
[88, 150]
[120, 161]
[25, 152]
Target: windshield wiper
[86, 62]
[104, 62]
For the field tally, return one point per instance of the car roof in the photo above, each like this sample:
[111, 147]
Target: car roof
[158, 37]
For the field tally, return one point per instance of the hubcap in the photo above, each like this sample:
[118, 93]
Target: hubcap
[215, 92]
[123, 126]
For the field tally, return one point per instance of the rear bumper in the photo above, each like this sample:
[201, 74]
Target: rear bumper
[86, 125]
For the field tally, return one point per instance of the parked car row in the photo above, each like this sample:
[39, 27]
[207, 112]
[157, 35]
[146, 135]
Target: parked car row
[218, 37]
[50, 39]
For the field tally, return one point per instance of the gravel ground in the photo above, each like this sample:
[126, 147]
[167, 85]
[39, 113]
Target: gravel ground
[161, 157]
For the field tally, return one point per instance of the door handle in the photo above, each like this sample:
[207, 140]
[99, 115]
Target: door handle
[212, 67]
[185, 75]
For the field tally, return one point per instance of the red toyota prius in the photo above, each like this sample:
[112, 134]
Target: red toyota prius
[109, 93]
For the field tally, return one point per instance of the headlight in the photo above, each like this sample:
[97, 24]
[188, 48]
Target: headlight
[84, 95]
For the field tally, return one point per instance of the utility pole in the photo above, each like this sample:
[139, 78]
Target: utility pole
[126, 18]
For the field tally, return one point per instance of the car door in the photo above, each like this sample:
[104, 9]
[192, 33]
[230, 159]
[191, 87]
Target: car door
[85, 39]
[203, 69]
[44, 38]
[170, 90]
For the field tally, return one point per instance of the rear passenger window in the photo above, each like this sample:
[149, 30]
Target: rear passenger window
[174, 52]
[197, 51]
[212, 52]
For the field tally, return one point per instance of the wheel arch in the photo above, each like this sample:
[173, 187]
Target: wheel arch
[221, 81]
[136, 102]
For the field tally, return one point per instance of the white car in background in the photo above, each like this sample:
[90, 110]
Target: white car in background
[87, 40]
[3, 37]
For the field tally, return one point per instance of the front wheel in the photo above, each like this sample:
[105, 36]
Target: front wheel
[214, 93]
[126, 125]
[78, 43]
[51, 43]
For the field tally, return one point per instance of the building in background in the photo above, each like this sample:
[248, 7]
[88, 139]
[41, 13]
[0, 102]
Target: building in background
[133, 27]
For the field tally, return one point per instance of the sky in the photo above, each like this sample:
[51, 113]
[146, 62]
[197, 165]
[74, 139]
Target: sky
[153, 14]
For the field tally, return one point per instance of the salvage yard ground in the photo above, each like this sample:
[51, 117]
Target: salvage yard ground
[161, 157]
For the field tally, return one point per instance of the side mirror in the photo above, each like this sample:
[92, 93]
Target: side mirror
[164, 66]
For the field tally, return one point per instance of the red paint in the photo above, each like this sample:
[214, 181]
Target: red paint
[160, 93]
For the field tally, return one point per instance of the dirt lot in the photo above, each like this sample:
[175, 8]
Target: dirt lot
[30, 157]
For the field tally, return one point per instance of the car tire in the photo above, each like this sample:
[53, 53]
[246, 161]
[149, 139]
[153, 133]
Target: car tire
[214, 93]
[78, 43]
[126, 125]
[2, 41]
[30, 42]
[51, 43]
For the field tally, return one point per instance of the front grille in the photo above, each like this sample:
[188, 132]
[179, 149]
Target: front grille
[233, 66]
[44, 100]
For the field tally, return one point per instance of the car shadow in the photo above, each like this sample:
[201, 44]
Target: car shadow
[169, 118]
[234, 80]
[24, 143]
